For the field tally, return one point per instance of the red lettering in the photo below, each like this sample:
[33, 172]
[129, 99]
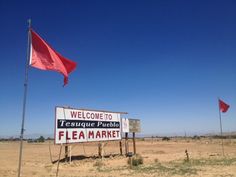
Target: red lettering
[88, 115]
[73, 114]
[91, 134]
[81, 135]
[113, 134]
[79, 115]
[61, 133]
[96, 115]
[98, 134]
[117, 135]
[105, 116]
[103, 134]
[108, 134]
[74, 134]
[83, 115]
[67, 136]
[108, 116]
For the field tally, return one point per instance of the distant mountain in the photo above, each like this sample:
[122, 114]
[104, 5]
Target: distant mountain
[29, 136]
[224, 134]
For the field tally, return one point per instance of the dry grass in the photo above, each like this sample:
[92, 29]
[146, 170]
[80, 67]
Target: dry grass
[159, 159]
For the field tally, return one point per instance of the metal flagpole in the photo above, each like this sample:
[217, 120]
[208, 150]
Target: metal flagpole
[221, 132]
[25, 96]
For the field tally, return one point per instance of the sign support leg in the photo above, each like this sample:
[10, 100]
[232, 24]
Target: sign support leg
[58, 161]
[121, 153]
[134, 144]
[66, 153]
[49, 146]
[126, 144]
[70, 154]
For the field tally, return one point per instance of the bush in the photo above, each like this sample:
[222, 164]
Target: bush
[98, 164]
[195, 137]
[41, 139]
[136, 160]
[165, 139]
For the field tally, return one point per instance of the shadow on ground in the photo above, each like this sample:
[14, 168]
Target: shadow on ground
[82, 157]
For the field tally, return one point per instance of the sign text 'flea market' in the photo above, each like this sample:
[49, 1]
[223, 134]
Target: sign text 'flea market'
[74, 125]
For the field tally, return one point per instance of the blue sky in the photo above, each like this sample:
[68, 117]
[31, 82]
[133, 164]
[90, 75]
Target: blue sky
[165, 62]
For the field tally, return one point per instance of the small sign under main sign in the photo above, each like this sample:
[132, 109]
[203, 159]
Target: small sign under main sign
[125, 125]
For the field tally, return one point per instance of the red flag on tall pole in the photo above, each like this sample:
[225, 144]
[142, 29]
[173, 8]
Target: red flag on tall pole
[223, 106]
[40, 55]
[44, 57]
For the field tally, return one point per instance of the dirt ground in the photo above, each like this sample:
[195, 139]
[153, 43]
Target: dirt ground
[160, 158]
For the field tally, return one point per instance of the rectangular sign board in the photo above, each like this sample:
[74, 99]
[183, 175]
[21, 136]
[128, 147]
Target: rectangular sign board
[79, 125]
[125, 125]
[134, 125]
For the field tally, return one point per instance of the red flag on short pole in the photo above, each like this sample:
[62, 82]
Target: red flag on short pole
[44, 57]
[223, 106]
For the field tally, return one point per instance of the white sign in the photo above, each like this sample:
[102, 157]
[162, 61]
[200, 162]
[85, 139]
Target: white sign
[125, 125]
[75, 125]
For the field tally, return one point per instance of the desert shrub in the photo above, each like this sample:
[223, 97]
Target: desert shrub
[167, 169]
[136, 160]
[41, 139]
[98, 164]
[165, 139]
[219, 137]
[49, 138]
[195, 137]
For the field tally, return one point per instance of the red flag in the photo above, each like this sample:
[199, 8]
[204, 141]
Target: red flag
[42, 56]
[223, 106]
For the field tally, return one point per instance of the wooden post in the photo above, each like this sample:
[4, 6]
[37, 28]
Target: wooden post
[50, 151]
[100, 149]
[187, 156]
[70, 154]
[58, 161]
[131, 162]
[121, 153]
[126, 144]
[66, 153]
[134, 143]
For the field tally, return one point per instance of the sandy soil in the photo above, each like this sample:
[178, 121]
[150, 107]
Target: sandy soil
[160, 158]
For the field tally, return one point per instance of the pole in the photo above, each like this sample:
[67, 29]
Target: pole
[24, 100]
[99, 149]
[58, 161]
[50, 152]
[121, 153]
[134, 144]
[70, 154]
[221, 132]
[126, 144]
[66, 153]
